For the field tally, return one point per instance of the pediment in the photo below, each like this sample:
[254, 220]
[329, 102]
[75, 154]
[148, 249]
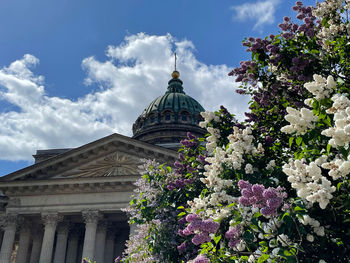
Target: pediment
[112, 156]
[114, 164]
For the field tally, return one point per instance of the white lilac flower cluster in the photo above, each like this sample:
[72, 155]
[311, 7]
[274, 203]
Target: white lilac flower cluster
[149, 189]
[315, 224]
[338, 167]
[309, 182]
[271, 165]
[331, 10]
[214, 133]
[137, 245]
[340, 133]
[208, 117]
[300, 121]
[321, 88]
[240, 144]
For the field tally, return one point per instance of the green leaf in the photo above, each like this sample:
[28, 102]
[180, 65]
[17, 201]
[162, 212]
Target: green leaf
[328, 148]
[339, 185]
[291, 139]
[181, 214]
[263, 258]
[299, 140]
[217, 239]
[204, 191]
[298, 208]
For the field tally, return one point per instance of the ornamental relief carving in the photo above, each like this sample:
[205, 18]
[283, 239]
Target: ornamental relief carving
[91, 216]
[8, 220]
[51, 218]
[113, 165]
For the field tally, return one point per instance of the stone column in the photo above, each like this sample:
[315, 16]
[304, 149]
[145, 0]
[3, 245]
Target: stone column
[91, 218]
[9, 225]
[50, 222]
[37, 235]
[24, 239]
[100, 241]
[109, 247]
[73, 240]
[61, 243]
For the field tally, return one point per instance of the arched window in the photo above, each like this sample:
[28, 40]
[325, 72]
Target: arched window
[167, 116]
[185, 117]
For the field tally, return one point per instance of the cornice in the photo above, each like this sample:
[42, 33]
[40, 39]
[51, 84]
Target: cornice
[68, 186]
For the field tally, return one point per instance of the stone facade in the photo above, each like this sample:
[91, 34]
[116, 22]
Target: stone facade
[68, 206]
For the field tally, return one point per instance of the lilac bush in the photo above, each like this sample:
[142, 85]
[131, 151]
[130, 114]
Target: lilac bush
[274, 188]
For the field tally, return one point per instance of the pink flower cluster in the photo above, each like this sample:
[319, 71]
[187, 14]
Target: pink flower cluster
[201, 229]
[233, 235]
[268, 200]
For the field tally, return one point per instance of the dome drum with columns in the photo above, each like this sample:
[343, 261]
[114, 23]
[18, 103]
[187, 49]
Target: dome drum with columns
[169, 117]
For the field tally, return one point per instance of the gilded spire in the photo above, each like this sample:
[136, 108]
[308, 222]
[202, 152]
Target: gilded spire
[175, 74]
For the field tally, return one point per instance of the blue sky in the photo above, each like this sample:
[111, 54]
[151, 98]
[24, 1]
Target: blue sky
[74, 71]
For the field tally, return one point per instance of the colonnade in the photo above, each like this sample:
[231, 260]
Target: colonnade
[57, 240]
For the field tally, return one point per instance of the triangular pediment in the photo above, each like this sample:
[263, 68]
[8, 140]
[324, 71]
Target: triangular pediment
[114, 164]
[112, 156]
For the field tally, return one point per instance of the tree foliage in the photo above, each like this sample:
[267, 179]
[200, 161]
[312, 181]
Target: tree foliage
[274, 188]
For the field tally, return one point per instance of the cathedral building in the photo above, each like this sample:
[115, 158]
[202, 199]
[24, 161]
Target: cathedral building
[67, 205]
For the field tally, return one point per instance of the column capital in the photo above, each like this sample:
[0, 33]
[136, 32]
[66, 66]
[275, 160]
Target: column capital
[8, 221]
[91, 216]
[51, 218]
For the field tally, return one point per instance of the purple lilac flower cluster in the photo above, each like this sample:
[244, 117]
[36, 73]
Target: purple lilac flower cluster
[190, 141]
[200, 228]
[304, 14]
[233, 235]
[201, 259]
[181, 166]
[245, 72]
[268, 200]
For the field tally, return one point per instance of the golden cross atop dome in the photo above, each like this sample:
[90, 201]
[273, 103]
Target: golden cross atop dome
[175, 74]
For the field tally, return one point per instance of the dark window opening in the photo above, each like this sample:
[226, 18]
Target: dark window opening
[184, 117]
[167, 117]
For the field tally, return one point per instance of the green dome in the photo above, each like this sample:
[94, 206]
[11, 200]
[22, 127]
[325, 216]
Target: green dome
[175, 100]
[168, 118]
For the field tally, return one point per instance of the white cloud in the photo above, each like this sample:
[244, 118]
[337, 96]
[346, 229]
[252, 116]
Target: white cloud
[263, 12]
[135, 73]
